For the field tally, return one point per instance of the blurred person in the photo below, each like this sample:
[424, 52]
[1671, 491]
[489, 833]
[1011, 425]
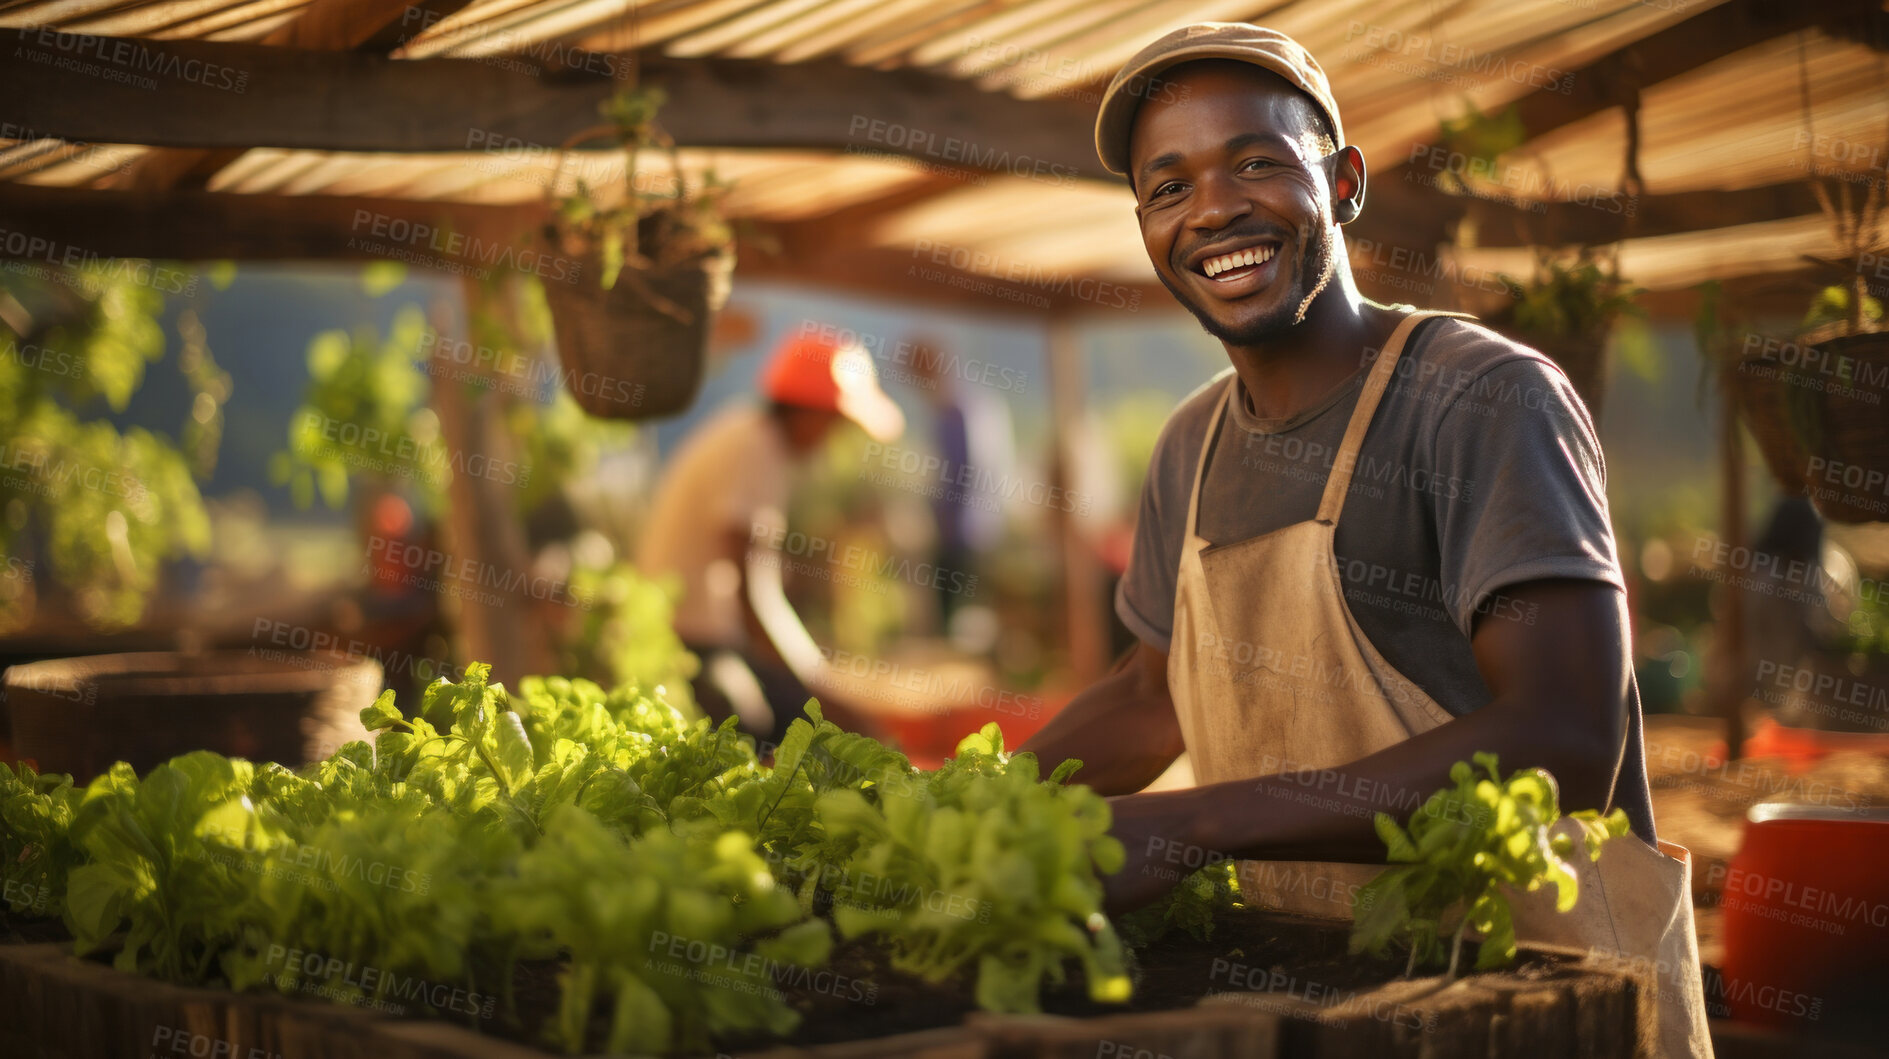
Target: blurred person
[1798, 659]
[719, 523]
[1376, 545]
[971, 429]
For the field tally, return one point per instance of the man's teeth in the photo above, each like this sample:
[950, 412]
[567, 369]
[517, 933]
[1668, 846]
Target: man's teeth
[1258, 255]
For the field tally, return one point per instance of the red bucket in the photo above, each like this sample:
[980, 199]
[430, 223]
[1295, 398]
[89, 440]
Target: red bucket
[1806, 912]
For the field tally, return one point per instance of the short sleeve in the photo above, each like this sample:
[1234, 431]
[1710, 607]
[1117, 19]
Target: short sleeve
[1528, 496]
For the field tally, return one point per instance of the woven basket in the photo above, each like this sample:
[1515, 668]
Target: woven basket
[1757, 384]
[626, 356]
[1824, 427]
[79, 715]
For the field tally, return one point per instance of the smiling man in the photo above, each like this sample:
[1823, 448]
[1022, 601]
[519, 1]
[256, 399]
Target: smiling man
[1374, 546]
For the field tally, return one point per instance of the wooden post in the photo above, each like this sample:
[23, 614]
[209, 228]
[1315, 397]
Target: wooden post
[494, 618]
[1084, 617]
[1731, 623]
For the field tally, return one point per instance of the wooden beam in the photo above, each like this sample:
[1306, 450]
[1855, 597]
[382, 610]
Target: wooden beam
[373, 27]
[188, 93]
[1680, 48]
[1607, 217]
[55, 225]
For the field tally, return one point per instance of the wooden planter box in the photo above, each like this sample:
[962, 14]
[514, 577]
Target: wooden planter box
[54, 1006]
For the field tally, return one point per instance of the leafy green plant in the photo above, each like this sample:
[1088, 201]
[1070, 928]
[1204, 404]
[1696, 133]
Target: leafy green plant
[36, 848]
[679, 883]
[683, 933]
[624, 631]
[364, 413]
[107, 505]
[1463, 846]
[1481, 139]
[645, 227]
[1190, 907]
[987, 868]
[150, 867]
[1569, 299]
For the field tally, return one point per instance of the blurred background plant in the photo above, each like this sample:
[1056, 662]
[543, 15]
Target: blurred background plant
[102, 507]
[369, 427]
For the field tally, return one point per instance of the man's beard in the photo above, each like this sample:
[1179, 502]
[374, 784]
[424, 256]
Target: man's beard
[1314, 260]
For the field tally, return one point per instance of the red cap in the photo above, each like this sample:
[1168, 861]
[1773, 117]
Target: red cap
[815, 372]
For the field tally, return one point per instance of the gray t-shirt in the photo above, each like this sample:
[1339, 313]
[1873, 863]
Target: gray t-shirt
[1480, 470]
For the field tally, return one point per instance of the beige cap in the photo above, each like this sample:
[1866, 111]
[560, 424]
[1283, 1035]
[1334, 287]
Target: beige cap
[1268, 49]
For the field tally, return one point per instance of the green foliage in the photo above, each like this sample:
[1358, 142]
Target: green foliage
[625, 631]
[1570, 299]
[36, 848]
[1191, 906]
[1836, 303]
[108, 506]
[663, 927]
[649, 854]
[984, 867]
[644, 227]
[153, 867]
[1866, 630]
[1481, 139]
[365, 413]
[1463, 845]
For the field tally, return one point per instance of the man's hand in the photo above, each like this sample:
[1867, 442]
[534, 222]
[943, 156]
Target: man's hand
[1157, 833]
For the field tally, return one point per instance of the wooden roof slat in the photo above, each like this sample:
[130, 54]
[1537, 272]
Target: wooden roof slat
[774, 40]
[225, 17]
[471, 14]
[1002, 26]
[727, 34]
[1096, 54]
[531, 27]
[889, 46]
[658, 26]
[1704, 132]
[1683, 147]
[1044, 37]
[835, 28]
[258, 30]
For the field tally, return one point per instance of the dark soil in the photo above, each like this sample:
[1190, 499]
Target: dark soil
[860, 996]
[18, 930]
[1250, 951]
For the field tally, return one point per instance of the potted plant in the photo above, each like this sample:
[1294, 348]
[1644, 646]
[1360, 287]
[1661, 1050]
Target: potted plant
[1567, 309]
[1815, 400]
[655, 264]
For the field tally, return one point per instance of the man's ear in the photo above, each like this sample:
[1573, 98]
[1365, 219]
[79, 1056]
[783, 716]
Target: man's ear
[1347, 185]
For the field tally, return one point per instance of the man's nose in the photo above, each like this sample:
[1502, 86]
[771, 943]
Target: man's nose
[1218, 202]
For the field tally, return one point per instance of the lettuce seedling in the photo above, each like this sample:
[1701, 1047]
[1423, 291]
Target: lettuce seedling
[1463, 845]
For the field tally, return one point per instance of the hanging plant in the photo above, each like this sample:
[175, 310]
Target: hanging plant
[1567, 309]
[656, 261]
[1814, 399]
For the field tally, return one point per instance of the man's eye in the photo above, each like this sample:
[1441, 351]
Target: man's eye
[1162, 190]
[1257, 163]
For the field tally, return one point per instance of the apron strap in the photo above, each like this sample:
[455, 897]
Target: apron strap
[1338, 484]
[1206, 446]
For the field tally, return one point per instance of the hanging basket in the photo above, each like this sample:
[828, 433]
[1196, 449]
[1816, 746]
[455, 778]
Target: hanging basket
[1821, 418]
[636, 351]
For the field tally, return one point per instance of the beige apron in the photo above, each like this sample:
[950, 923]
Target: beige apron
[1270, 673]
